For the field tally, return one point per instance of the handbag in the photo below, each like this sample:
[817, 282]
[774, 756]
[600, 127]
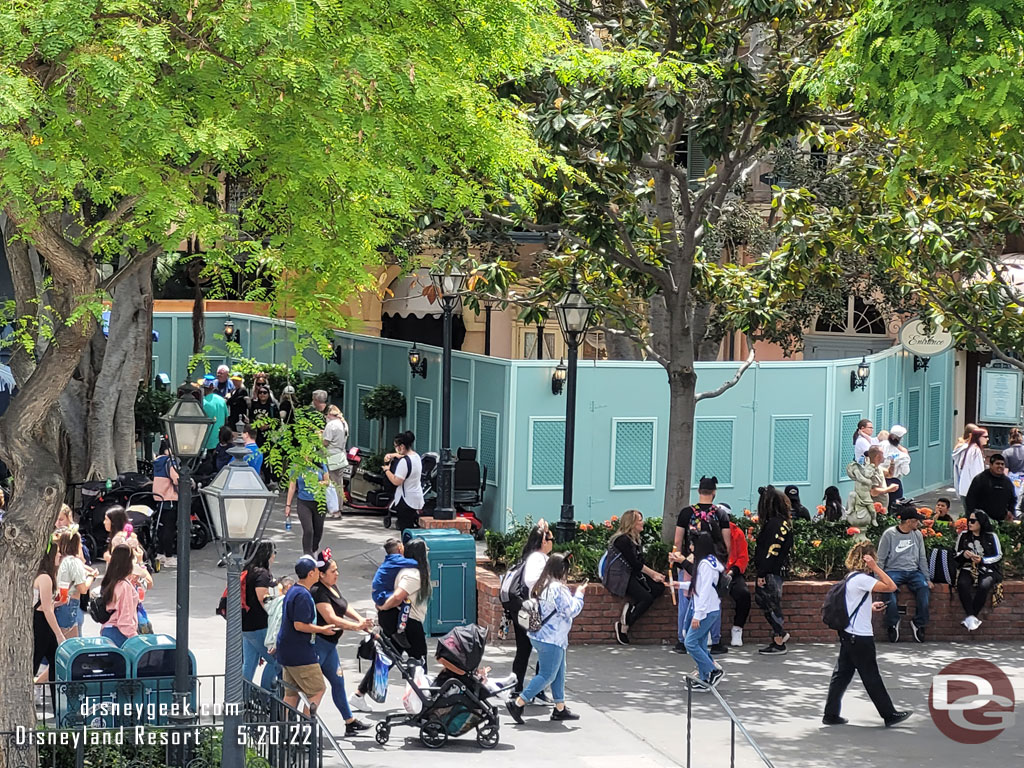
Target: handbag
[379, 687]
[337, 461]
[333, 503]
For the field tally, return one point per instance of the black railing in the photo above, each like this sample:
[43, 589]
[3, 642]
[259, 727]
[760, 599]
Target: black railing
[734, 723]
[131, 724]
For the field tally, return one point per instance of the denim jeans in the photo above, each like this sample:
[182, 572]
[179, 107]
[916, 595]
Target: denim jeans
[683, 614]
[327, 655]
[697, 644]
[918, 584]
[551, 663]
[253, 650]
[67, 614]
[114, 635]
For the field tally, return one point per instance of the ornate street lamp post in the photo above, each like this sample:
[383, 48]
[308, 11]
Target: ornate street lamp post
[448, 285]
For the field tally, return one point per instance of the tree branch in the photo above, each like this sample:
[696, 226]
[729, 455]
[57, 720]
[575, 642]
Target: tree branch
[113, 217]
[634, 260]
[131, 267]
[726, 386]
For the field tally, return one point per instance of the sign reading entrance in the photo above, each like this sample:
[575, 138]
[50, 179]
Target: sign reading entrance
[918, 340]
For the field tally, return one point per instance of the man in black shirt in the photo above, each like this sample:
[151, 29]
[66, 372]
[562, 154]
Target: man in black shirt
[992, 491]
[705, 515]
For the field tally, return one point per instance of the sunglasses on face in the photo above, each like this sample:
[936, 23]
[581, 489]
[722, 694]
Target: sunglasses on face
[549, 538]
[972, 520]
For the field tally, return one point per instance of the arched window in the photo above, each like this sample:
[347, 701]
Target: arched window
[861, 318]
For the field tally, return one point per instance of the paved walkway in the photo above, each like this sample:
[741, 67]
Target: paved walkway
[631, 700]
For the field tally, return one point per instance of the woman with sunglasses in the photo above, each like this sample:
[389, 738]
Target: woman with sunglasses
[535, 556]
[980, 559]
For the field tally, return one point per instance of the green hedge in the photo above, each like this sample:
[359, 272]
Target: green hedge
[819, 548]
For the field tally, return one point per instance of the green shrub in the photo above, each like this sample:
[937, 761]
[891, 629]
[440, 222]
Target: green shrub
[819, 548]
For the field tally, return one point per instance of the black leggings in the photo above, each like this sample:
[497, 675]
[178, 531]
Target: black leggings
[312, 523]
[167, 534]
[973, 598]
[44, 643]
[641, 594]
[524, 648]
[414, 633]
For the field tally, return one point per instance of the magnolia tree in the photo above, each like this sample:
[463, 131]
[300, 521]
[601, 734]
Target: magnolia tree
[658, 120]
[120, 124]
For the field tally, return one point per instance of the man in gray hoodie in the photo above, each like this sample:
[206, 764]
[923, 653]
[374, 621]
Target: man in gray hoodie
[901, 555]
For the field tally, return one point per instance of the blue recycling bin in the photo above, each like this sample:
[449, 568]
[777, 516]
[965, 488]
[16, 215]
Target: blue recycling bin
[453, 579]
[94, 689]
[151, 662]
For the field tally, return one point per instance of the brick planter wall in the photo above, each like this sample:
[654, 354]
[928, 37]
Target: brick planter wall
[801, 604]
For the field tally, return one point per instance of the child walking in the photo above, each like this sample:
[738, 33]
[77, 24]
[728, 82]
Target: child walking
[706, 607]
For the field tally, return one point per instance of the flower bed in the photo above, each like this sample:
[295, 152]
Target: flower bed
[819, 548]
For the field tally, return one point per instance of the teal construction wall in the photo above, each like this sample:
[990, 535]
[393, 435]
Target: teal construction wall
[784, 422]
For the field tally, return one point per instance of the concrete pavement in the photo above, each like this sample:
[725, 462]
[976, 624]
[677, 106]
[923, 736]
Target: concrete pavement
[632, 700]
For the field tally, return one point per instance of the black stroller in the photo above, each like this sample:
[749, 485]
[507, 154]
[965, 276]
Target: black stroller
[457, 702]
[131, 491]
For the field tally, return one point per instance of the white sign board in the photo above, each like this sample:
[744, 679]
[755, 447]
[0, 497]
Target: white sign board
[917, 340]
[1000, 396]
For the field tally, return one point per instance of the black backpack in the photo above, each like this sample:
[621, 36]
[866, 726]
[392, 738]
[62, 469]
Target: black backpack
[513, 591]
[833, 611]
[942, 566]
[97, 608]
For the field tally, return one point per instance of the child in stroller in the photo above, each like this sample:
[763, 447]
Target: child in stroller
[457, 702]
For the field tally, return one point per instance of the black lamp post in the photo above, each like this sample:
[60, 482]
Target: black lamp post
[488, 302]
[188, 428]
[448, 285]
[574, 315]
[240, 506]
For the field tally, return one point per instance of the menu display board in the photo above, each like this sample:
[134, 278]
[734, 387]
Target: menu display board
[1000, 396]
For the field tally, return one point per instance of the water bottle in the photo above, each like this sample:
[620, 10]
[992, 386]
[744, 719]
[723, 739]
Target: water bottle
[287, 522]
[109, 484]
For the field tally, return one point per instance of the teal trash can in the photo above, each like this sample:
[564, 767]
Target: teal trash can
[151, 662]
[94, 690]
[452, 579]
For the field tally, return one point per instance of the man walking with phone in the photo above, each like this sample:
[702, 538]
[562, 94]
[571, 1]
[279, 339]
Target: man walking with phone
[300, 667]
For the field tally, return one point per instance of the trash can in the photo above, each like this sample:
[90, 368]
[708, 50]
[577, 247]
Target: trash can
[452, 579]
[92, 687]
[151, 661]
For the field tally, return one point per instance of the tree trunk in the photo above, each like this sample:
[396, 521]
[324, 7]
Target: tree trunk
[682, 387]
[28, 521]
[198, 319]
[30, 446]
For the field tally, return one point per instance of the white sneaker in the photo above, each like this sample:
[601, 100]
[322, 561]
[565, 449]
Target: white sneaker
[168, 562]
[967, 622]
[737, 637]
[355, 701]
[975, 622]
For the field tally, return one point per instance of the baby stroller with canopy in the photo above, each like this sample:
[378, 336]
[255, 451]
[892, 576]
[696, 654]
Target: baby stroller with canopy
[457, 702]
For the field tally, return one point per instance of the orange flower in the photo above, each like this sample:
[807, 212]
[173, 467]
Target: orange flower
[926, 512]
[754, 519]
[816, 543]
[851, 531]
[747, 513]
[615, 518]
[960, 524]
[879, 509]
[821, 509]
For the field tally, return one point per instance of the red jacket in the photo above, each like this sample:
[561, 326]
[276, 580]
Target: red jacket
[739, 556]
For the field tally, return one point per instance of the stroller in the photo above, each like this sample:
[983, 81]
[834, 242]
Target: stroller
[131, 491]
[457, 702]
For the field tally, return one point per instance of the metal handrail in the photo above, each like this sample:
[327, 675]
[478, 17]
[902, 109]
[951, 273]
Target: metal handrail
[734, 724]
[314, 712]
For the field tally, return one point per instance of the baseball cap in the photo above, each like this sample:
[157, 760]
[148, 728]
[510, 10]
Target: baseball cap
[910, 513]
[236, 376]
[898, 431]
[306, 565]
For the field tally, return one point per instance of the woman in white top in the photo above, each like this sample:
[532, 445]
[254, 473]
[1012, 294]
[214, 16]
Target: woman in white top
[74, 578]
[335, 439]
[412, 585]
[971, 461]
[857, 642]
[535, 557]
[558, 607]
[403, 469]
[897, 461]
[706, 608]
[863, 439]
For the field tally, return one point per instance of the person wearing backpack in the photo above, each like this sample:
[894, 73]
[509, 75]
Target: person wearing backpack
[557, 607]
[258, 583]
[645, 585]
[856, 639]
[516, 586]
